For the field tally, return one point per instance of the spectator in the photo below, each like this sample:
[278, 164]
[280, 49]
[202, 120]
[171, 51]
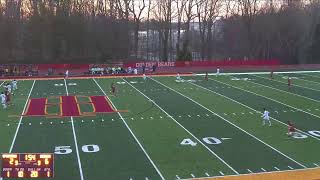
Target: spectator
[154, 67]
[143, 68]
[135, 71]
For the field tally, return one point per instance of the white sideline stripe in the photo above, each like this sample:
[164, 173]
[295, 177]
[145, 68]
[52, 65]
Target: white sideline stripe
[277, 72]
[311, 76]
[232, 124]
[283, 91]
[192, 175]
[250, 107]
[185, 129]
[75, 137]
[155, 167]
[292, 84]
[21, 117]
[277, 168]
[249, 171]
[309, 80]
[282, 102]
[221, 173]
[316, 164]
[290, 167]
[207, 174]
[249, 174]
[263, 170]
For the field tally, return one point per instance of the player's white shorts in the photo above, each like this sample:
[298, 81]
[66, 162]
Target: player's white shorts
[266, 119]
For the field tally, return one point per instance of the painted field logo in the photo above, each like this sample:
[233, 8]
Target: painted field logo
[69, 106]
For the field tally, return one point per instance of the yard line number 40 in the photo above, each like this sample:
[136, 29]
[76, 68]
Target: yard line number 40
[207, 140]
[90, 148]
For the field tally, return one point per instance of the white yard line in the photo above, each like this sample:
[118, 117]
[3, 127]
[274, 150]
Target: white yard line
[184, 128]
[75, 137]
[277, 100]
[318, 77]
[286, 83]
[246, 105]
[285, 91]
[134, 136]
[308, 80]
[21, 117]
[233, 124]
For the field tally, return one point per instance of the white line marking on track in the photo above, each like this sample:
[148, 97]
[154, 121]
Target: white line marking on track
[221, 173]
[249, 174]
[185, 128]
[290, 167]
[232, 123]
[316, 164]
[21, 117]
[192, 175]
[142, 148]
[263, 170]
[249, 171]
[277, 168]
[75, 138]
[177, 177]
[207, 174]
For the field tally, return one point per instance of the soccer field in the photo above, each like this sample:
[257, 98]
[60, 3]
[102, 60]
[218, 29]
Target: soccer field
[163, 128]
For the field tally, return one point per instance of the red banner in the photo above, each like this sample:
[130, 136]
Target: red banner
[205, 63]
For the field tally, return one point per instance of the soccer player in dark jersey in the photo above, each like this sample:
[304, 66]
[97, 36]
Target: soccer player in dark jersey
[271, 75]
[289, 83]
[206, 76]
[113, 89]
[291, 129]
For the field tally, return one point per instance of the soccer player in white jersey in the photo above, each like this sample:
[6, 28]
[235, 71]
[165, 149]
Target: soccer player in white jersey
[178, 77]
[67, 74]
[8, 87]
[3, 100]
[266, 118]
[218, 71]
[14, 85]
[144, 77]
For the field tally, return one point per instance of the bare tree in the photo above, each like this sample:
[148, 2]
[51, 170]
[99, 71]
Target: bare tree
[136, 8]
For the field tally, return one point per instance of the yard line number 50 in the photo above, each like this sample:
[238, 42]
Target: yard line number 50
[90, 148]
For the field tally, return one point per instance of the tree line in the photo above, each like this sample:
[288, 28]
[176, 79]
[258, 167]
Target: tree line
[96, 31]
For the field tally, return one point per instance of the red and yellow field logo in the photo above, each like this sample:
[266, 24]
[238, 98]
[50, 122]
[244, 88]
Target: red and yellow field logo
[69, 106]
